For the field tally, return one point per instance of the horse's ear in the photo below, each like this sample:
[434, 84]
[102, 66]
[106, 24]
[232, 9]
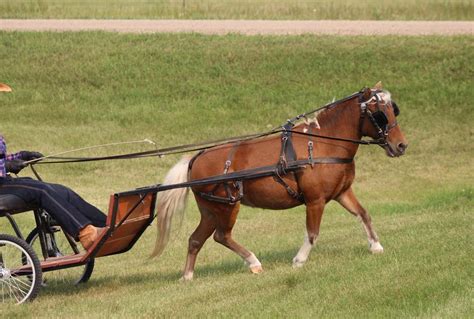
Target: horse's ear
[378, 86]
[5, 88]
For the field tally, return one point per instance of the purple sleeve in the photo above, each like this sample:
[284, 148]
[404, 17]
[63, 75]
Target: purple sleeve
[4, 156]
[3, 153]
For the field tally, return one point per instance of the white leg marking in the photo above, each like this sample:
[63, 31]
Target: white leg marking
[303, 253]
[187, 276]
[254, 264]
[376, 248]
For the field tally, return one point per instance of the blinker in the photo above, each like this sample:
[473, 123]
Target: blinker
[380, 118]
[396, 110]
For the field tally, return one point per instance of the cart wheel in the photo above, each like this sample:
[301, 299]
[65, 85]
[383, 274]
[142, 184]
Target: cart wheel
[60, 245]
[20, 271]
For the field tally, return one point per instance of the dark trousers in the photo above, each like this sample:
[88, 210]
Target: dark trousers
[71, 211]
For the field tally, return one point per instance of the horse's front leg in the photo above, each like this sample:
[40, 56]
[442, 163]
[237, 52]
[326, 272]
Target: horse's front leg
[314, 213]
[350, 202]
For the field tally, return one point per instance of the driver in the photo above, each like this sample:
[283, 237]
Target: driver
[77, 217]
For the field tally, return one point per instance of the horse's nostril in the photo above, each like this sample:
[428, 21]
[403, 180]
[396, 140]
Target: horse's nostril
[402, 147]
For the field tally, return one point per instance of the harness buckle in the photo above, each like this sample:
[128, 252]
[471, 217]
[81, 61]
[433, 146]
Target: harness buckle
[227, 166]
[310, 153]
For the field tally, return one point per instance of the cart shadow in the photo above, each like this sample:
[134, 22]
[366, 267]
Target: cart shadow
[228, 267]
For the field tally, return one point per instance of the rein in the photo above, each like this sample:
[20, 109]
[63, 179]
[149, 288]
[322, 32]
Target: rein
[54, 159]
[192, 148]
[379, 141]
[158, 152]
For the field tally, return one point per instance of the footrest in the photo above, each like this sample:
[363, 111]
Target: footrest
[53, 263]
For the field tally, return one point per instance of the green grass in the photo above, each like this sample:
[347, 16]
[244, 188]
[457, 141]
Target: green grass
[241, 9]
[74, 90]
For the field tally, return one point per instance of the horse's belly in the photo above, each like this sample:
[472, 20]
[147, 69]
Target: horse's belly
[267, 193]
[326, 181]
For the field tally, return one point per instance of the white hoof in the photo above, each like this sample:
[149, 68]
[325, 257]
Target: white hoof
[376, 248]
[297, 263]
[254, 264]
[187, 277]
[256, 269]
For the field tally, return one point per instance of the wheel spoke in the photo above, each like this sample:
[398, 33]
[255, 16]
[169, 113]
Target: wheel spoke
[15, 284]
[16, 255]
[11, 291]
[26, 283]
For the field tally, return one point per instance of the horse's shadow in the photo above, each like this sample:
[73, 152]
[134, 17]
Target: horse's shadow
[230, 266]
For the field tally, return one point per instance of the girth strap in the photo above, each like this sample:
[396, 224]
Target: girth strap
[287, 152]
[291, 191]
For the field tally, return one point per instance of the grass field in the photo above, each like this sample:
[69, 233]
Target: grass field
[241, 9]
[74, 90]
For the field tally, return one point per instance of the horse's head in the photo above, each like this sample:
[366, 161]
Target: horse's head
[379, 120]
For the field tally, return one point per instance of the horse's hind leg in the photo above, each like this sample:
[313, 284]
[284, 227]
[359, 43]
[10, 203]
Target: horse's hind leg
[226, 217]
[206, 227]
[350, 202]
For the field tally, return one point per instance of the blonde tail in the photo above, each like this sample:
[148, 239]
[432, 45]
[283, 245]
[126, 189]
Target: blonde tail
[170, 203]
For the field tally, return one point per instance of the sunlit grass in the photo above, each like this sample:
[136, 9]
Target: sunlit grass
[75, 90]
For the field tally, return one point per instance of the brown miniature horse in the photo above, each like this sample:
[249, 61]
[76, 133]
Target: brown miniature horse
[318, 183]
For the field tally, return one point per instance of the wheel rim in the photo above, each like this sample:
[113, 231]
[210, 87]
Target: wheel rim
[12, 286]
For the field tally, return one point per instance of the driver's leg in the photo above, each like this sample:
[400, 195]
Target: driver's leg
[67, 215]
[91, 212]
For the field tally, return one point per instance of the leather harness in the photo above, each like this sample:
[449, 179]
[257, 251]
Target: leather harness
[237, 185]
[287, 162]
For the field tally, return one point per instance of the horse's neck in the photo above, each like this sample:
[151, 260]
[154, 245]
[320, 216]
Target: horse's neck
[341, 121]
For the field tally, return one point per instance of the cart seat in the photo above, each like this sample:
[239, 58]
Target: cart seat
[13, 204]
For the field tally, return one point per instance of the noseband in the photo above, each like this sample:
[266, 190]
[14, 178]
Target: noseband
[379, 118]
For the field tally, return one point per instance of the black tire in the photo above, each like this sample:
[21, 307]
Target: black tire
[14, 253]
[79, 276]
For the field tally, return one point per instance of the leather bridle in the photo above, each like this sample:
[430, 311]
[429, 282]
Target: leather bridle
[378, 118]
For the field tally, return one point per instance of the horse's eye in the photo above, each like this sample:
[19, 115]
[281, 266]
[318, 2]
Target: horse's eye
[396, 110]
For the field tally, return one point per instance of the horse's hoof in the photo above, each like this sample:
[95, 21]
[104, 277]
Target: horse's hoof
[376, 248]
[256, 269]
[298, 263]
[186, 278]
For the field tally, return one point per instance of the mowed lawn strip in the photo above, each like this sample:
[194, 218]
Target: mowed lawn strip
[76, 90]
[241, 9]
